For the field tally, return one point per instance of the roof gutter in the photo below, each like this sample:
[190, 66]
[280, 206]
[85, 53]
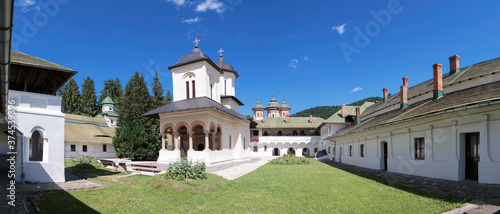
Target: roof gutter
[6, 23]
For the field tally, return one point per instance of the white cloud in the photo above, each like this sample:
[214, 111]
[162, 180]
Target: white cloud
[27, 5]
[177, 2]
[214, 5]
[357, 89]
[293, 63]
[191, 21]
[306, 58]
[340, 28]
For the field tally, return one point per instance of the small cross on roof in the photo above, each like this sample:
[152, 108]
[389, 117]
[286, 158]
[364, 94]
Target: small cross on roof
[196, 42]
[220, 52]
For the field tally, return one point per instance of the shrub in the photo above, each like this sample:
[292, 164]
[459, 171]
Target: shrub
[86, 159]
[186, 169]
[290, 160]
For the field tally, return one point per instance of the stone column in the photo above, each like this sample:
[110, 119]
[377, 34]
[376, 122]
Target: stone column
[190, 140]
[213, 141]
[207, 146]
[176, 141]
[163, 141]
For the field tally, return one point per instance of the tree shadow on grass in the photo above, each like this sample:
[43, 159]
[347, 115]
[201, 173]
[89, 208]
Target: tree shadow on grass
[63, 202]
[86, 171]
[396, 184]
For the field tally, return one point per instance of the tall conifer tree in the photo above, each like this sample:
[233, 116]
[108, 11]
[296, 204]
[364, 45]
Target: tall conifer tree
[157, 88]
[70, 101]
[113, 89]
[88, 99]
[137, 137]
[168, 97]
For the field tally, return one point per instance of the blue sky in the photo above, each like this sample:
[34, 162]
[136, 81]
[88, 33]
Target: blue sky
[314, 53]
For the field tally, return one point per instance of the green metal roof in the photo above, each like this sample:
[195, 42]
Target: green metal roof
[107, 100]
[88, 133]
[350, 110]
[295, 122]
[110, 113]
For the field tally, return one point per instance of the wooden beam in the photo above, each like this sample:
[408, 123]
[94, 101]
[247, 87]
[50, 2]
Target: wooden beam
[27, 77]
[38, 78]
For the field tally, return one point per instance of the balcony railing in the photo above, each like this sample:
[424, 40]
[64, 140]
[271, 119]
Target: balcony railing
[254, 138]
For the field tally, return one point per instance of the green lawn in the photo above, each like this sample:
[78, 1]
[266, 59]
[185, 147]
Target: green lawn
[314, 187]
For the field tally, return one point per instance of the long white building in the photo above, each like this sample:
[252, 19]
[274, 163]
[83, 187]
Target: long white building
[446, 127]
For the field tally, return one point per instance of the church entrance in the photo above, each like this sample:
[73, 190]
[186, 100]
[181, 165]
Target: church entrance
[472, 156]
[305, 152]
[276, 152]
[218, 144]
[184, 141]
[198, 138]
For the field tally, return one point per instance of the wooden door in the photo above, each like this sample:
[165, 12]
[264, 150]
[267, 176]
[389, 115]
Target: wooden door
[471, 156]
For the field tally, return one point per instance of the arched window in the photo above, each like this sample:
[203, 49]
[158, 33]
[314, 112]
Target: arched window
[280, 133]
[294, 133]
[211, 91]
[302, 133]
[36, 147]
[225, 87]
[194, 89]
[265, 133]
[230, 146]
[187, 89]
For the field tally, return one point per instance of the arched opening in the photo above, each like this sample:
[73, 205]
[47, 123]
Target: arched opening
[295, 133]
[184, 140]
[315, 150]
[36, 147]
[218, 144]
[265, 133]
[280, 133]
[276, 152]
[169, 139]
[194, 89]
[291, 151]
[187, 89]
[302, 133]
[198, 138]
[211, 138]
[305, 152]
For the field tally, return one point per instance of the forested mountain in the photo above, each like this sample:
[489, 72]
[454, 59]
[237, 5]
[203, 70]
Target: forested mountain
[326, 111]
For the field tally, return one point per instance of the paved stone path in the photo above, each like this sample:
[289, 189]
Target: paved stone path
[235, 170]
[489, 193]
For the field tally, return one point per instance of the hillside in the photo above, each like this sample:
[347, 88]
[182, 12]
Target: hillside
[326, 111]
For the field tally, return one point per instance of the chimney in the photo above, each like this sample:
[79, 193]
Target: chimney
[287, 119]
[438, 80]
[454, 64]
[358, 115]
[386, 96]
[404, 97]
[263, 119]
[310, 118]
[376, 101]
[343, 111]
[405, 81]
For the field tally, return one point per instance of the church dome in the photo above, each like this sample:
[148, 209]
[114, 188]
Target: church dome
[284, 106]
[273, 104]
[196, 55]
[107, 100]
[226, 67]
[258, 106]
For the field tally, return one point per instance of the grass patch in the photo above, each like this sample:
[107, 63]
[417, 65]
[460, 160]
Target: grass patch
[87, 170]
[290, 160]
[315, 187]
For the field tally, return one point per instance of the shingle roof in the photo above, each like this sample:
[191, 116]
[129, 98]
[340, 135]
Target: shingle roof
[27, 60]
[258, 106]
[459, 99]
[466, 73]
[295, 122]
[99, 119]
[273, 103]
[195, 56]
[195, 103]
[107, 100]
[74, 132]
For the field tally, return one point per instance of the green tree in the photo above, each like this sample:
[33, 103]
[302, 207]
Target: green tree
[168, 97]
[70, 97]
[157, 88]
[113, 89]
[136, 137]
[88, 99]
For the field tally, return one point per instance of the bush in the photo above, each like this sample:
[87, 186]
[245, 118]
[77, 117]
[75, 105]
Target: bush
[290, 160]
[86, 159]
[186, 169]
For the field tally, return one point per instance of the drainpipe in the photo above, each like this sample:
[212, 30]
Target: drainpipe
[7, 11]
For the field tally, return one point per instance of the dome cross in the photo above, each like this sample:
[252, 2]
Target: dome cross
[220, 52]
[196, 42]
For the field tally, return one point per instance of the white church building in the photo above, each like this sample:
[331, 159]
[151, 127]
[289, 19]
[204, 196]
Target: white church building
[446, 127]
[203, 123]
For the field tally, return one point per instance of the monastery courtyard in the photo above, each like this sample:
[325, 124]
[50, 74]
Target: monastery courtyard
[316, 187]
